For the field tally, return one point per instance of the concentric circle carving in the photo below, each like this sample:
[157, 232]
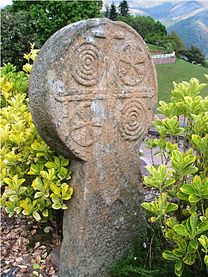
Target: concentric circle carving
[133, 124]
[86, 64]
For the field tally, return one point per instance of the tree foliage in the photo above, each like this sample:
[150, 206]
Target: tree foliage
[178, 44]
[123, 8]
[107, 11]
[36, 21]
[50, 16]
[195, 55]
[113, 12]
[146, 26]
[17, 32]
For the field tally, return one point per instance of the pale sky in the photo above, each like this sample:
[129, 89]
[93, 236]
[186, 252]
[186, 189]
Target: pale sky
[144, 2]
[9, 2]
[5, 2]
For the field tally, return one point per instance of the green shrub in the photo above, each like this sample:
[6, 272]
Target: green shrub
[33, 178]
[182, 181]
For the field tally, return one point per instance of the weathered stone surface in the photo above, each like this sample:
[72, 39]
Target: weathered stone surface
[92, 91]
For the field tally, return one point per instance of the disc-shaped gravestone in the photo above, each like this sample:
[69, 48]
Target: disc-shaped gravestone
[92, 91]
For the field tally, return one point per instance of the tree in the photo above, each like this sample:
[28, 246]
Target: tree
[43, 19]
[107, 11]
[178, 44]
[123, 8]
[113, 12]
[151, 31]
[194, 54]
[17, 33]
[52, 15]
[145, 26]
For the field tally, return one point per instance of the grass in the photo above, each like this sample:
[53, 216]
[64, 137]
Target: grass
[153, 47]
[178, 72]
[145, 260]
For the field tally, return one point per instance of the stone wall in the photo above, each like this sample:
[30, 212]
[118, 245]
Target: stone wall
[164, 58]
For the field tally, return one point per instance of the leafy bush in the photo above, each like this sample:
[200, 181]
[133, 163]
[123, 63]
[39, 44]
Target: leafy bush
[33, 177]
[182, 181]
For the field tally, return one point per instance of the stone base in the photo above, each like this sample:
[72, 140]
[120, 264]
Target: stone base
[97, 233]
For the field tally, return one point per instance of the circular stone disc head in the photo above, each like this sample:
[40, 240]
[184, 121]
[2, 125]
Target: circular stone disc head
[93, 83]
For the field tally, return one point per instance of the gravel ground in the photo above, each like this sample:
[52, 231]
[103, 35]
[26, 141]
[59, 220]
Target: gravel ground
[25, 248]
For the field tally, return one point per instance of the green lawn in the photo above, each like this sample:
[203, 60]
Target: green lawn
[179, 71]
[153, 47]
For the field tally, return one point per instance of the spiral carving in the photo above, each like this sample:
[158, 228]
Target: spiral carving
[86, 64]
[133, 125]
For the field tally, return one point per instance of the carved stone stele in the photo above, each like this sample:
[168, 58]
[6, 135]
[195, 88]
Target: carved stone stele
[92, 91]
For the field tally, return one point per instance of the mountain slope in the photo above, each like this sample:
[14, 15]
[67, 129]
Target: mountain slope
[173, 10]
[188, 18]
[158, 12]
[193, 31]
